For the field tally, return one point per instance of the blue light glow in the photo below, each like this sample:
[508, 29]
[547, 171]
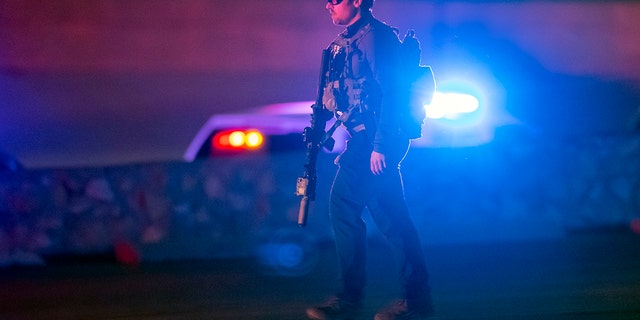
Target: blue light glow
[287, 252]
[450, 105]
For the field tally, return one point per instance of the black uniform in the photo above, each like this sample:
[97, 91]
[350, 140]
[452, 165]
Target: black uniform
[365, 62]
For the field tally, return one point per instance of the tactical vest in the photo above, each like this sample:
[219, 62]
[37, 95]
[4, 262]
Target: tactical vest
[355, 97]
[351, 92]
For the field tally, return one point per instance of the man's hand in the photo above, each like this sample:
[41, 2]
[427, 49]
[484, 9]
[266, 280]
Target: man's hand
[378, 163]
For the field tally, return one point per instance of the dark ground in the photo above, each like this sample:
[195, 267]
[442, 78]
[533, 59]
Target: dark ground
[581, 276]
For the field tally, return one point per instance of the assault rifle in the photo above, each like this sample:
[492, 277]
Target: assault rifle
[315, 138]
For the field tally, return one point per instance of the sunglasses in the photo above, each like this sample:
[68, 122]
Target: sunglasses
[334, 2]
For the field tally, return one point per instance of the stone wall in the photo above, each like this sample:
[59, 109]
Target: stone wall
[511, 189]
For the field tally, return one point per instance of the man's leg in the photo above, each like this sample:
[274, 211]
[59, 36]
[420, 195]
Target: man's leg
[390, 213]
[349, 232]
[350, 188]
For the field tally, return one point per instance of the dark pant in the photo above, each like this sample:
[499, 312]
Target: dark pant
[355, 188]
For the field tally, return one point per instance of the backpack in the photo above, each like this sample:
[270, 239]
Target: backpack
[418, 86]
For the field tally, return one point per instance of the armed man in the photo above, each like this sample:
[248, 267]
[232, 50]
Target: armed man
[363, 91]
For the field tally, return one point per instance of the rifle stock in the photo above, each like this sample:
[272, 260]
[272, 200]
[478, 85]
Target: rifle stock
[313, 137]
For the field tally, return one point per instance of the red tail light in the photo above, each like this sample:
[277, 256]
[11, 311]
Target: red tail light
[237, 140]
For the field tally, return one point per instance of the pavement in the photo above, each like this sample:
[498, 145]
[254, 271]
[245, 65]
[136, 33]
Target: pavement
[590, 275]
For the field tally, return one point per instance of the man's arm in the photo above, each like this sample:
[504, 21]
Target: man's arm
[382, 50]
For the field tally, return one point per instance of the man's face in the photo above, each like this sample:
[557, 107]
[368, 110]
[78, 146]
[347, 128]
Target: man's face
[344, 13]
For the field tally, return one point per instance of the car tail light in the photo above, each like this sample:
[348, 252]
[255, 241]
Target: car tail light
[237, 140]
